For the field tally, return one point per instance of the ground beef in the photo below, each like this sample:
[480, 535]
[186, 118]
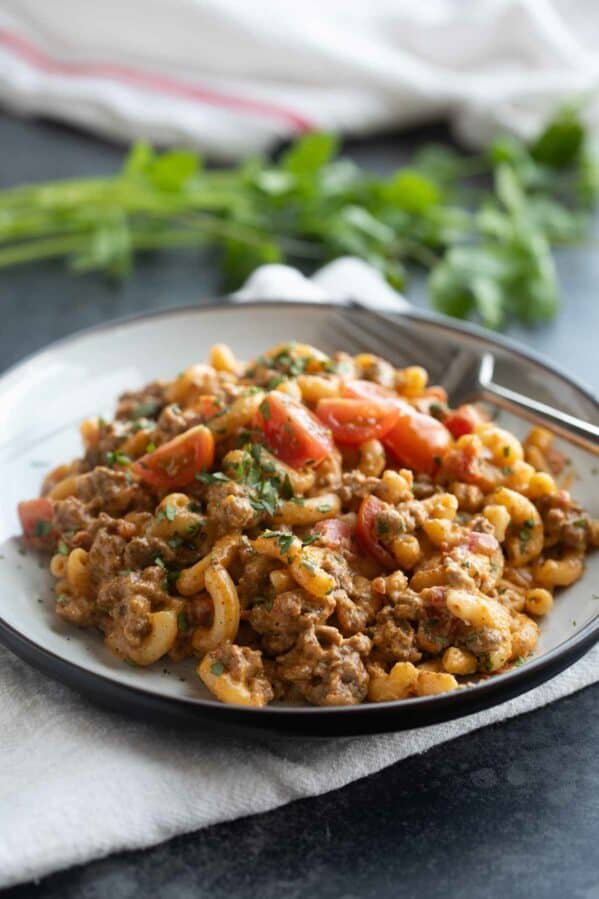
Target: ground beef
[355, 486]
[254, 580]
[149, 584]
[111, 437]
[289, 613]
[564, 521]
[245, 666]
[105, 490]
[356, 607]
[393, 637]
[77, 610]
[469, 496]
[144, 403]
[71, 515]
[480, 641]
[106, 557]
[142, 552]
[229, 508]
[423, 487]
[324, 668]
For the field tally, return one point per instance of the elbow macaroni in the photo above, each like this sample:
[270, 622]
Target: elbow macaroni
[347, 576]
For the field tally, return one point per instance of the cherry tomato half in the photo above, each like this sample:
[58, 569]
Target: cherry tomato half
[35, 516]
[335, 533]
[291, 431]
[354, 421]
[176, 463]
[417, 440]
[463, 420]
[370, 509]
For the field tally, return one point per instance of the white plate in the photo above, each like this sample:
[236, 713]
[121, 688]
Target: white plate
[42, 401]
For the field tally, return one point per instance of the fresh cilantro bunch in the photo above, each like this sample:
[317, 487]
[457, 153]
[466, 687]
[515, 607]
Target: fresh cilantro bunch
[483, 226]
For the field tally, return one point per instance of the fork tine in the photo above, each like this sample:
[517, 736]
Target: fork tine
[397, 341]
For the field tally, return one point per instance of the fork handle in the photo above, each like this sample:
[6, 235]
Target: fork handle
[571, 428]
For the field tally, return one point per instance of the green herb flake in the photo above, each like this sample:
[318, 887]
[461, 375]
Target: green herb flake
[381, 526]
[158, 560]
[63, 549]
[145, 410]
[150, 447]
[42, 528]
[62, 599]
[207, 477]
[265, 409]
[506, 451]
[217, 668]
[285, 541]
[183, 622]
[116, 457]
[311, 538]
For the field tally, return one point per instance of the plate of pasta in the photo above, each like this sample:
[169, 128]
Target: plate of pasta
[222, 515]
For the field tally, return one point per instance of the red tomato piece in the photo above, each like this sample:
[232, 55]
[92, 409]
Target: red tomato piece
[418, 440]
[370, 509]
[463, 420]
[35, 516]
[208, 406]
[368, 390]
[291, 431]
[176, 463]
[354, 421]
[335, 533]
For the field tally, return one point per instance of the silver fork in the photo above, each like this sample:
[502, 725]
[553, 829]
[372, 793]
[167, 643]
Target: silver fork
[466, 375]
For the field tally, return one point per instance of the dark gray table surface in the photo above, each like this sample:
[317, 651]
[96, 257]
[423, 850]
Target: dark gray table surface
[510, 811]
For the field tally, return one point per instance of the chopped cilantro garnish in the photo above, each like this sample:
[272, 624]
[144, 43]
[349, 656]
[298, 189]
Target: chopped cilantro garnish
[382, 526]
[159, 561]
[116, 457]
[145, 410]
[324, 507]
[61, 599]
[285, 541]
[183, 621]
[215, 477]
[265, 409]
[310, 538]
[63, 549]
[42, 528]
[150, 447]
[217, 668]
[506, 451]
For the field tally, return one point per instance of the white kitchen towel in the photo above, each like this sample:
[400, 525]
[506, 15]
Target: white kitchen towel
[230, 77]
[78, 783]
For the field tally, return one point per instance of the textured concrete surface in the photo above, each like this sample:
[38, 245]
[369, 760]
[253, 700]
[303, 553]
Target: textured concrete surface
[510, 811]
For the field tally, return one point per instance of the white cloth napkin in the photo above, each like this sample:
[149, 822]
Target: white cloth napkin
[78, 783]
[232, 77]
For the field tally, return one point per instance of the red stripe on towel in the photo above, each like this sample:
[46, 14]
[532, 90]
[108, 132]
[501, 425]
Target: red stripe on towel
[149, 81]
